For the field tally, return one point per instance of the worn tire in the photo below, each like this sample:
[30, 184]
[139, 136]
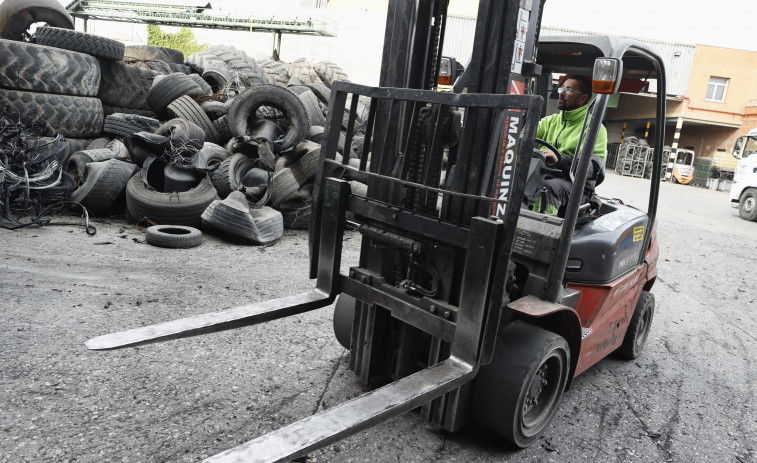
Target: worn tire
[247, 103]
[227, 177]
[108, 110]
[123, 125]
[183, 208]
[234, 216]
[124, 85]
[638, 328]
[302, 70]
[17, 15]
[276, 70]
[168, 88]
[185, 108]
[330, 72]
[315, 115]
[204, 86]
[173, 236]
[105, 183]
[153, 53]
[524, 355]
[36, 68]
[71, 116]
[93, 45]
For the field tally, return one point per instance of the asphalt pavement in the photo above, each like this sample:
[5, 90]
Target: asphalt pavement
[690, 397]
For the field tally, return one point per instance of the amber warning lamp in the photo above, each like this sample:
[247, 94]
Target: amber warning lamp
[445, 71]
[607, 74]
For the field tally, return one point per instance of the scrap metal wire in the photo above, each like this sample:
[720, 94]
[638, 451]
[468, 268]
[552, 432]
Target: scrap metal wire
[32, 182]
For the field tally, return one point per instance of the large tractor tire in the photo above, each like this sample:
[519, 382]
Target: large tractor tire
[71, 116]
[36, 68]
[93, 45]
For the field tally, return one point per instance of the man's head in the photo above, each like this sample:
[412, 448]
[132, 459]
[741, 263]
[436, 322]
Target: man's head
[575, 92]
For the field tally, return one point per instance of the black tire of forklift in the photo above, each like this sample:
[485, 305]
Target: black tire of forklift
[748, 205]
[530, 365]
[344, 313]
[638, 329]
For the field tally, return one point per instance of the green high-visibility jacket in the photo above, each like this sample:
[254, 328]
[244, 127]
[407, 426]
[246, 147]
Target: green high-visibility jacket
[562, 131]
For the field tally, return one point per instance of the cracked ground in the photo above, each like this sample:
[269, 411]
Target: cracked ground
[690, 397]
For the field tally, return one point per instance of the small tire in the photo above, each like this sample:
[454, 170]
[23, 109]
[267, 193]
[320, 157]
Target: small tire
[517, 394]
[227, 177]
[186, 108]
[748, 205]
[639, 327]
[123, 125]
[173, 236]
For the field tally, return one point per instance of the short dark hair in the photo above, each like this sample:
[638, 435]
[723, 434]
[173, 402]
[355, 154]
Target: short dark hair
[585, 84]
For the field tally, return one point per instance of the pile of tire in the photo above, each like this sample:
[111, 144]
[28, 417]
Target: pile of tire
[168, 140]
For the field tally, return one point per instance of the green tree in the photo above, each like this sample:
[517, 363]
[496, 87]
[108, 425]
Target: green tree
[183, 40]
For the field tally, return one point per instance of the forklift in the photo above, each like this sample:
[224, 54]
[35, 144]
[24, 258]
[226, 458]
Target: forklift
[464, 302]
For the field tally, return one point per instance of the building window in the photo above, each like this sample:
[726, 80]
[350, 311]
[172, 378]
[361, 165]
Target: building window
[716, 89]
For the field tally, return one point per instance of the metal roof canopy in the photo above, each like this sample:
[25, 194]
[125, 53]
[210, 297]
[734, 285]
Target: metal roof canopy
[200, 16]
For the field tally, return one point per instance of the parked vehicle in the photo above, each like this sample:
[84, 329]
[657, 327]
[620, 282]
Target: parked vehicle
[744, 189]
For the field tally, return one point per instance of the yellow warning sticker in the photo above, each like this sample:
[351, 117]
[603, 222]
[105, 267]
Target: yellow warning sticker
[638, 234]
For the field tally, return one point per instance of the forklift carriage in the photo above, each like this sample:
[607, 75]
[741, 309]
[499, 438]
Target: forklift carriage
[464, 302]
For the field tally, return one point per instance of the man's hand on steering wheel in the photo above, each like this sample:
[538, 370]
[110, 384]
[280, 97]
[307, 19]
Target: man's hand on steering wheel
[551, 154]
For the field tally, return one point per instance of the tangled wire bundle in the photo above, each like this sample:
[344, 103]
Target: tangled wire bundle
[32, 182]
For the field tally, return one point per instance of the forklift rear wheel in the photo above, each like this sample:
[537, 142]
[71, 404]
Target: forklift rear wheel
[344, 312]
[638, 329]
[517, 394]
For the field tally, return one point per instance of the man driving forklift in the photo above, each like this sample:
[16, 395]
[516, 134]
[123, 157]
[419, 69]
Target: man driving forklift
[562, 130]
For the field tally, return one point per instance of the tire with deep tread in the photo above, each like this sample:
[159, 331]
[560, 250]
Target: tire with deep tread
[330, 72]
[302, 70]
[17, 15]
[184, 208]
[36, 68]
[105, 183]
[639, 327]
[276, 70]
[517, 394]
[93, 45]
[173, 236]
[71, 116]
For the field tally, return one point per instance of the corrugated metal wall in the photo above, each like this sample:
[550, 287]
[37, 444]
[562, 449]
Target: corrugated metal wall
[677, 57]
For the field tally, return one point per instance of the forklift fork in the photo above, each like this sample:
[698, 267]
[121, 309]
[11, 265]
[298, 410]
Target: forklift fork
[462, 326]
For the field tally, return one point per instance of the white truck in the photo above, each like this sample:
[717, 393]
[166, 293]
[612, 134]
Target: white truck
[744, 189]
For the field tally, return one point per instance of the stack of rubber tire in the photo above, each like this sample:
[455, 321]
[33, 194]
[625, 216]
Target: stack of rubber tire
[634, 158]
[218, 140]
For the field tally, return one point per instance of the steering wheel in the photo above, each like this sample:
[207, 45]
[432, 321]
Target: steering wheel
[537, 152]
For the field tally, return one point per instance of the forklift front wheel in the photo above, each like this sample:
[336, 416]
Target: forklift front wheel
[638, 329]
[344, 313]
[517, 394]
